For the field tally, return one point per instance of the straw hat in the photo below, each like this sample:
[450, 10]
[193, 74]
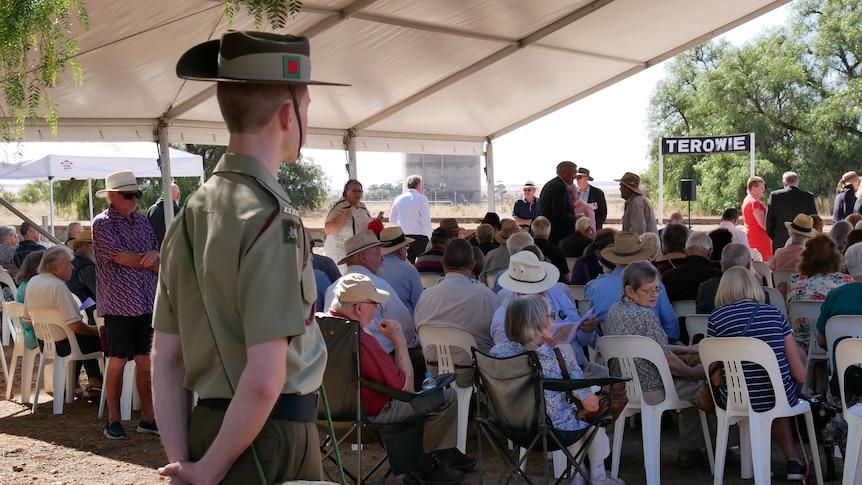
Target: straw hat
[85, 236]
[627, 248]
[358, 243]
[584, 172]
[508, 228]
[122, 181]
[526, 274]
[392, 238]
[802, 224]
[529, 185]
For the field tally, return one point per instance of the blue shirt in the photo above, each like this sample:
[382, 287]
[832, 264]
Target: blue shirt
[607, 290]
[404, 279]
[323, 283]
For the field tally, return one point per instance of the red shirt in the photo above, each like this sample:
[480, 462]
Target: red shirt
[377, 366]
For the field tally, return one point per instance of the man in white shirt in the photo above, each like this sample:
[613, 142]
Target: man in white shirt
[728, 221]
[411, 212]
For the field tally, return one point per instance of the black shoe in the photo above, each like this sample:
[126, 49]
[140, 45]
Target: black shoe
[435, 474]
[114, 431]
[148, 428]
[454, 459]
[795, 470]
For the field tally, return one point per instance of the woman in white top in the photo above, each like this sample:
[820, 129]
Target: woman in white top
[346, 217]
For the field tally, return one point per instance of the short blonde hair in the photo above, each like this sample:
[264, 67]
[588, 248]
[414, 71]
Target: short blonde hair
[754, 181]
[737, 284]
[527, 318]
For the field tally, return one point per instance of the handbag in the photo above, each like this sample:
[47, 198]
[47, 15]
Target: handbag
[610, 401]
[703, 399]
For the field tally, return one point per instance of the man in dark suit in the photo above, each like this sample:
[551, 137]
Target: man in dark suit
[783, 205]
[555, 202]
[592, 196]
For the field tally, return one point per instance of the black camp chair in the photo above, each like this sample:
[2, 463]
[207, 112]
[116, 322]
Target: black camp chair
[513, 390]
[341, 381]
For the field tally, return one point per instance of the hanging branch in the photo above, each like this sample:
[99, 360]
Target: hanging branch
[275, 11]
[36, 47]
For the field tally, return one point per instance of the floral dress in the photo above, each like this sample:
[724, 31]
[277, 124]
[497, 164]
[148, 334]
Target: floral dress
[811, 288]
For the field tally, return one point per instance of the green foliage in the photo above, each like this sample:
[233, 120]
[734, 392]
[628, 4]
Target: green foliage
[34, 191]
[798, 87]
[36, 46]
[385, 191]
[275, 11]
[305, 182]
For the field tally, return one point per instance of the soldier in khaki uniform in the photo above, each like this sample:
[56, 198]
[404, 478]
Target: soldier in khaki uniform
[234, 307]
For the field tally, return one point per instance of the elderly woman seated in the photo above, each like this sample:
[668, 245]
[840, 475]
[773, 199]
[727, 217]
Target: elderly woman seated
[800, 230]
[528, 327]
[633, 315]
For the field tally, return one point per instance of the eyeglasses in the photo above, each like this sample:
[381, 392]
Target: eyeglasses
[131, 195]
[552, 316]
[654, 292]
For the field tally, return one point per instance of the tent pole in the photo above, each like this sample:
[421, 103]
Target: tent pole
[350, 148]
[51, 201]
[90, 195]
[165, 164]
[489, 174]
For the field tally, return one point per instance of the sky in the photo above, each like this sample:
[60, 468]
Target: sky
[585, 132]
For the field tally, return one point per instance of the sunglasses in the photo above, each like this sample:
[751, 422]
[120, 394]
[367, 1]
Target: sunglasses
[131, 195]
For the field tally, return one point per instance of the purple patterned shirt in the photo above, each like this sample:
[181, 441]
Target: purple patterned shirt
[123, 291]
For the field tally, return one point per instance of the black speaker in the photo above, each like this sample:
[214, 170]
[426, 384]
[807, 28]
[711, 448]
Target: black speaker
[688, 189]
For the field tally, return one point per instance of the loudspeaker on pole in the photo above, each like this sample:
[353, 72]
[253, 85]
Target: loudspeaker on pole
[688, 189]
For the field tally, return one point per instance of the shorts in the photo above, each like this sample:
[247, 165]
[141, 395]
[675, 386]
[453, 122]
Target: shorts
[129, 336]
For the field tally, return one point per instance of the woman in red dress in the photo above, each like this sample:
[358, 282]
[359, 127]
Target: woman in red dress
[754, 213]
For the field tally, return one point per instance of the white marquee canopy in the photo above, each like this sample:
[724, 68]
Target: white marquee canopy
[441, 76]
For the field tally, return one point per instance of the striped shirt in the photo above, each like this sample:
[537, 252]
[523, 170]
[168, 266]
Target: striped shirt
[770, 326]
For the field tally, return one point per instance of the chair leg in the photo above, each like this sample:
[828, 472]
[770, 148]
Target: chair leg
[851, 454]
[619, 429]
[27, 361]
[104, 388]
[761, 448]
[71, 380]
[60, 383]
[651, 426]
[39, 377]
[723, 428]
[463, 415]
[10, 376]
[745, 455]
[707, 439]
[815, 452]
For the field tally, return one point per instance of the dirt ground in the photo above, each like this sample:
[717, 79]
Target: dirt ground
[44, 448]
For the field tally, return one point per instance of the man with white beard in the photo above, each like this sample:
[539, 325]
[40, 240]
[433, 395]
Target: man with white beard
[364, 257]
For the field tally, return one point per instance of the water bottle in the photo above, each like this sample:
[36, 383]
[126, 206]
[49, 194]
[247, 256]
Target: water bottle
[428, 383]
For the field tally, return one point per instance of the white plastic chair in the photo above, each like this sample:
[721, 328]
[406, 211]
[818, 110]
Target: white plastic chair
[847, 353]
[50, 328]
[6, 279]
[776, 300]
[576, 292]
[757, 426]
[781, 276]
[809, 310]
[696, 325]
[129, 397]
[684, 308]
[13, 311]
[445, 339]
[626, 349]
[763, 270]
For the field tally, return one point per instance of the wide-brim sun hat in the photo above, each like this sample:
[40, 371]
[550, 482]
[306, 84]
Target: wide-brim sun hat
[358, 243]
[392, 239]
[526, 274]
[529, 185]
[632, 181]
[626, 248]
[250, 57]
[356, 287]
[122, 181]
[802, 224]
[583, 172]
[85, 236]
[508, 228]
[849, 177]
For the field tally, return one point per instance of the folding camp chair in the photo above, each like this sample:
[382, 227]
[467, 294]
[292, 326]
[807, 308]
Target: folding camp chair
[342, 383]
[514, 388]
